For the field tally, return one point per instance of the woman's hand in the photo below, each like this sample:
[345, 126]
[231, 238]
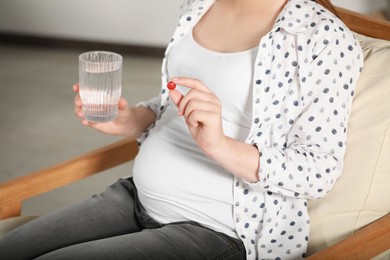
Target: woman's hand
[202, 112]
[130, 122]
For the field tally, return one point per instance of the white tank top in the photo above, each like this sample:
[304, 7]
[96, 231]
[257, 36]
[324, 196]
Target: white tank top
[175, 180]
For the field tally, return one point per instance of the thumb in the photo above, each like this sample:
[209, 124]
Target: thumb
[176, 96]
[123, 104]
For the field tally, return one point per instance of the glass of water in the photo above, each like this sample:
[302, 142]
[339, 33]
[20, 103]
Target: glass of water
[100, 80]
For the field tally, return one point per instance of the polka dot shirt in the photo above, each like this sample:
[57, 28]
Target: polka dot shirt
[305, 74]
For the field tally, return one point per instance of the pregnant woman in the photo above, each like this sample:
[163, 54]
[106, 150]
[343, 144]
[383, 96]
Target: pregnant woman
[228, 158]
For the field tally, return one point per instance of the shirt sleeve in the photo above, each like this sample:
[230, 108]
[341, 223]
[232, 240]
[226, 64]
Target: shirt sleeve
[154, 104]
[185, 5]
[312, 159]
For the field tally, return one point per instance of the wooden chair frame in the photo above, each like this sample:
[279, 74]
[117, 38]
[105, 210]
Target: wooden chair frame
[363, 244]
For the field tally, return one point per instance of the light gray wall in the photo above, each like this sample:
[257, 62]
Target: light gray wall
[149, 22]
[146, 22]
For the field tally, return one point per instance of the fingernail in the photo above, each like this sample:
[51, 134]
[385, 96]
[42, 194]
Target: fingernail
[175, 79]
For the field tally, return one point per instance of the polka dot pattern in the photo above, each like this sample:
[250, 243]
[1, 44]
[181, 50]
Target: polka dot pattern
[305, 74]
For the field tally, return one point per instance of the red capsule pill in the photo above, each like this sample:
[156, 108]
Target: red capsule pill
[171, 85]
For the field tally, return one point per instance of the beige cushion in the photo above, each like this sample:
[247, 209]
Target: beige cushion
[362, 194]
[8, 224]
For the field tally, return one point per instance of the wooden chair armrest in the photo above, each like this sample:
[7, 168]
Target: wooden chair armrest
[365, 243]
[13, 192]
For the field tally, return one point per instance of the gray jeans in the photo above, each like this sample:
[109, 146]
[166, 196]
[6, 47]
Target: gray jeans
[114, 225]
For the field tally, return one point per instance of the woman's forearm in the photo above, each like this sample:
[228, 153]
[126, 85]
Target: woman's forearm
[238, 158]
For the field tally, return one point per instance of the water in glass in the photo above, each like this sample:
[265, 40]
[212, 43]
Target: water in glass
[100, 85]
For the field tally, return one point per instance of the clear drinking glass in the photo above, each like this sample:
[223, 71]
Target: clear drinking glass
[100, 80]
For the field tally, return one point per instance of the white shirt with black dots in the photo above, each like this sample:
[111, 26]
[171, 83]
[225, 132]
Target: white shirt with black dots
[305, 73]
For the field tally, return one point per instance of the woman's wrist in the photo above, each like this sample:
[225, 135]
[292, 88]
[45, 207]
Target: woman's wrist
[139, 119]
[238, 158]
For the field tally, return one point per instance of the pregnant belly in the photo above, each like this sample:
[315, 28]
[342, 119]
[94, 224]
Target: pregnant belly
[178, 184]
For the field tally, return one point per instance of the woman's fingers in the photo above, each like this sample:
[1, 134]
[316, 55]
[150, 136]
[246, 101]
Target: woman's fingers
[199, 98]
[196, 95]
[191, 83]
[197, 91]
[196, 107]
[123, 104]
[78, 106]
[201, 110]
[87, 123]
[77, 101]
[204, 118]
[176, 96]
[76, 87]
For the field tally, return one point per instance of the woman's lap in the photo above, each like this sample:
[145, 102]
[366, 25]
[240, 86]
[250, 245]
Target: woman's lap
[113, 224]
[175, 241]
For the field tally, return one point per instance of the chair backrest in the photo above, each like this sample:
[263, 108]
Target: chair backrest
[365, 25]
[361, 195]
